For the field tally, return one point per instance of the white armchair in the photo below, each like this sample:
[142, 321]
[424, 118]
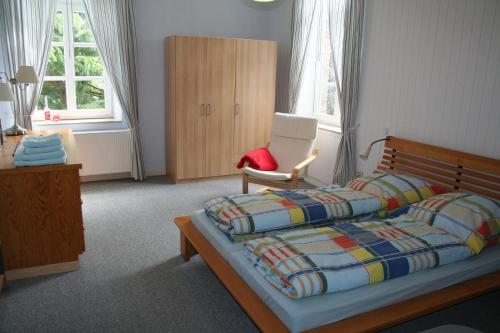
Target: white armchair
[292, 146]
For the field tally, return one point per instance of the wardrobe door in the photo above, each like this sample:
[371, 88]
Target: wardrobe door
[221, 58]
[190, 100]
[255, 94]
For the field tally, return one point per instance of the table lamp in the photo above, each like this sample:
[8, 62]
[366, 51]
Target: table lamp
[25, 76]
[364, 155]
[5, 95]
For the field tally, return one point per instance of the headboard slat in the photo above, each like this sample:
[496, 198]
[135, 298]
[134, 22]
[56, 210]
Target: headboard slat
[442, 172]
[461, 171]
[475, 162]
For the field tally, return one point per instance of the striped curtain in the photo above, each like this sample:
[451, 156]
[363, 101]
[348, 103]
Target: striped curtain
[345, 164]
[113, 24]
[306, 20]
[26, 28]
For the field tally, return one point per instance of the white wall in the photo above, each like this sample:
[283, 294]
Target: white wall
[321, 170]
[157, 19]
[431, 73]
[281, 27]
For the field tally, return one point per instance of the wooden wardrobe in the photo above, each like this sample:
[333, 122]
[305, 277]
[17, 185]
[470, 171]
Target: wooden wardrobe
[219, 102]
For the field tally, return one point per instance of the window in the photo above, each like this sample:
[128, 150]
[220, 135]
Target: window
[318, 95]
[75, 83]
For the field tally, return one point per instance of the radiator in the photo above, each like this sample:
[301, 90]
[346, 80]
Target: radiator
[104, 153]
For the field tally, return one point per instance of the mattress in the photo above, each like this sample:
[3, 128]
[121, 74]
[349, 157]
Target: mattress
[214, 235]
[311, 312]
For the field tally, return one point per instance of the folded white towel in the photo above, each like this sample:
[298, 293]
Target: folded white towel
[40, 150]
[42, 141]
[21, 155]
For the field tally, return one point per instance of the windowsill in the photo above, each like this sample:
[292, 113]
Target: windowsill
[330, 128]
[75, 121]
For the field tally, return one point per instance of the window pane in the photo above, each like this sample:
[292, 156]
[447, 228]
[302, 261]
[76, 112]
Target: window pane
[90, 95]
[56, 95]
[81, 28]
[55, 64]
[87, 62]
[58, 35]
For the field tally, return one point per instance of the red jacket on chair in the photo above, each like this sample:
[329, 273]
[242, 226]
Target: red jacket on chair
[259, 159]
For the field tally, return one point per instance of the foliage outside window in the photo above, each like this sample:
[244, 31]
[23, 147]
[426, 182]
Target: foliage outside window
[75, 82]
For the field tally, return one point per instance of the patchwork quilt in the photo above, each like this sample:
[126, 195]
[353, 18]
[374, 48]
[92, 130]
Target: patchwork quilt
[253, 213]
[339, 257]
[474, 218]
[399, 190]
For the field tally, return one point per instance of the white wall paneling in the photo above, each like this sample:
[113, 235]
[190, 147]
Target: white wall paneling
[431, 73]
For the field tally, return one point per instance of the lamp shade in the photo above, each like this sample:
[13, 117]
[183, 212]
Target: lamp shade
[26, 74]
[5, 92]
[364, 155]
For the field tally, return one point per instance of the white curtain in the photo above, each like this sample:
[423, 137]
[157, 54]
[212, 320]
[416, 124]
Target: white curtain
[336, 14]
[113, 24]
[26, 28]
[306, 26]
[345, 164]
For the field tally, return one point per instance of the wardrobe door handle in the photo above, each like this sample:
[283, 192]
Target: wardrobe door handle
[202, 110]
[237, 108]
[209, 110]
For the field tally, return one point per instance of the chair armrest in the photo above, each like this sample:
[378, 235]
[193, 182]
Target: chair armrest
[303, 164]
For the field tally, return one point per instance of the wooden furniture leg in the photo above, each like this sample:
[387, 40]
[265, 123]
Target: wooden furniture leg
[245, 183]
[187, 249]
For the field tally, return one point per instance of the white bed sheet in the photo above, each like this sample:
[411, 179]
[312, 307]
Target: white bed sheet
[307, 313]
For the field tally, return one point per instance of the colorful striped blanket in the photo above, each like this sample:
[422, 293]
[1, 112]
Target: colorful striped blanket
[398, 189]
[339, 257]
[472, 217]
[252, 213]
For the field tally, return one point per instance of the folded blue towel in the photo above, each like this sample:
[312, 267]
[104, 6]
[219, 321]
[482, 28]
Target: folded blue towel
[40, 150]
[21, 155]
[60, 160]
[42, 141]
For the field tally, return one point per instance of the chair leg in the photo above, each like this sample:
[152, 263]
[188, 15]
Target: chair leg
[245, 184]
[293, 183]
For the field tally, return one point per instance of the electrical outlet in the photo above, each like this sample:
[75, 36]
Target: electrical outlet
[359, 173]
[386, 131]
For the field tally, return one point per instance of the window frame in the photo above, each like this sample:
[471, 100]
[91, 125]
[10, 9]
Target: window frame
[70, 78]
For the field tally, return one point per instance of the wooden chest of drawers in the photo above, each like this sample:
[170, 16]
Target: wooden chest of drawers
[41, 224]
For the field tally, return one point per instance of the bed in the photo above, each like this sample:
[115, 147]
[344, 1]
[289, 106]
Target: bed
[356, 310]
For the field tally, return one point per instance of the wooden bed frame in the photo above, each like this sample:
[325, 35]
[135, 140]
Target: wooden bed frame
[460, 171]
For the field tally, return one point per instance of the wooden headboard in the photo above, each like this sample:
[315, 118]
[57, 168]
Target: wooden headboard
[451, 168]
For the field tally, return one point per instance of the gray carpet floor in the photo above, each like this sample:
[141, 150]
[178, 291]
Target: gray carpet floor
[131, 278]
